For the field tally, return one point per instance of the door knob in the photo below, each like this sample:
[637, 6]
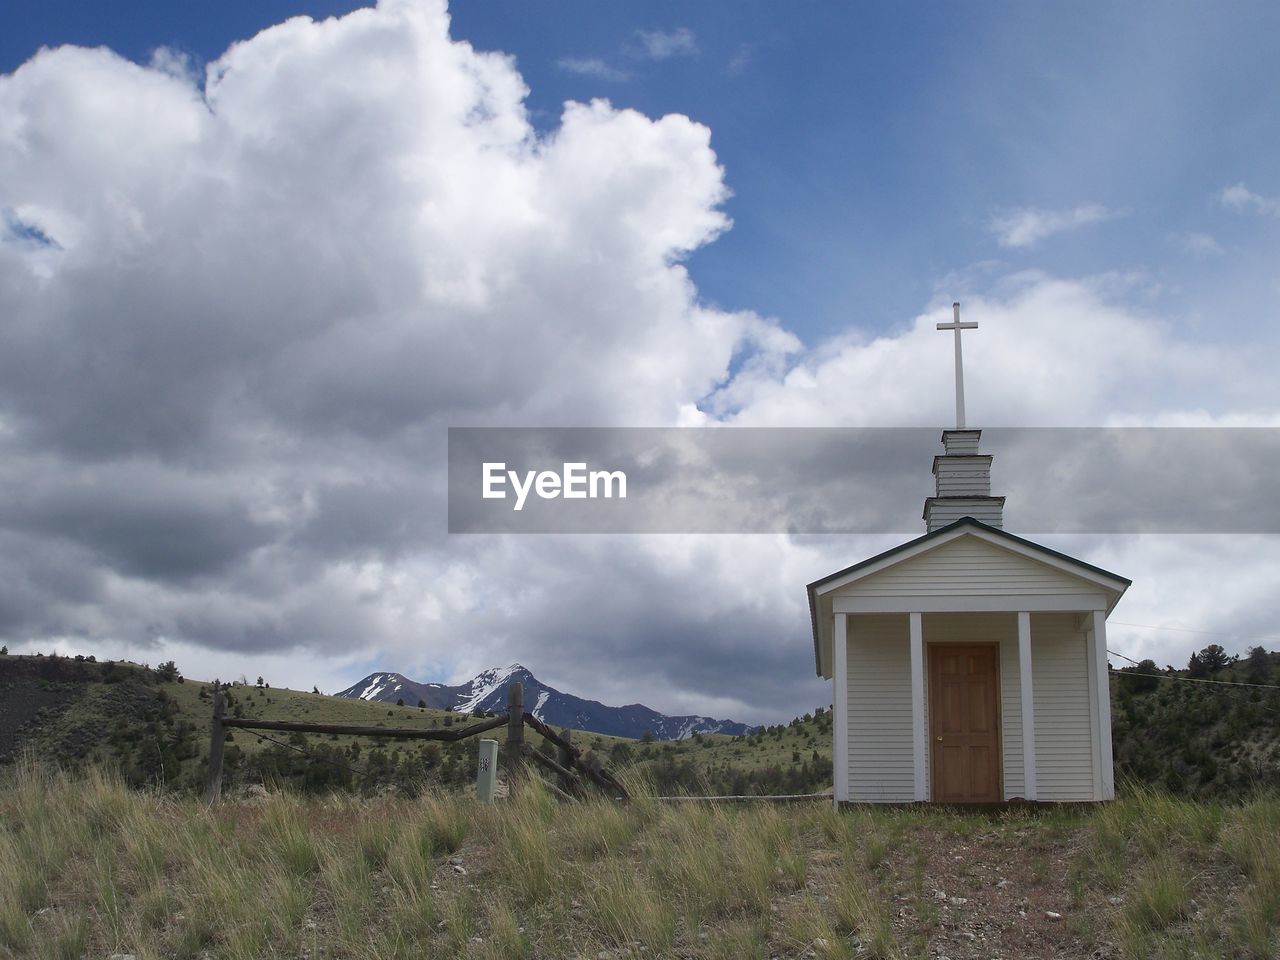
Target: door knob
[939, 739]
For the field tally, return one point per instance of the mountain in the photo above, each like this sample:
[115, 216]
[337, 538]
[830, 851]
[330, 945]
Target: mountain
[488, 692]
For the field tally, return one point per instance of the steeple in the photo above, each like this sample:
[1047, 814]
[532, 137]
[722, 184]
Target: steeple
[962, 484]
[962, 475]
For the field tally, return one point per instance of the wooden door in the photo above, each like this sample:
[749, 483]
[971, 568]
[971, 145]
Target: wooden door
[964, 722]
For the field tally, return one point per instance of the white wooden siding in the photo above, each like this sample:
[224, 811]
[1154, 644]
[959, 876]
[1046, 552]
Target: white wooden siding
[879, 749]
[962, 476]
[964, 567]
[1011, 716]
[961, 442]
[879, 723]
[1064, 729]
[939, 512]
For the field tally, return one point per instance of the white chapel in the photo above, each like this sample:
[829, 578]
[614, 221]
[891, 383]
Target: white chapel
[968, 665]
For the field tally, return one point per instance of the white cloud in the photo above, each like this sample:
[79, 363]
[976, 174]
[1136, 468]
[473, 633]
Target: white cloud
[592, 67]
[227, 377]
[1040, 339]
[262, 301]
[1240, 198]
[1026, 226]
[1199, 245]
[665, 44]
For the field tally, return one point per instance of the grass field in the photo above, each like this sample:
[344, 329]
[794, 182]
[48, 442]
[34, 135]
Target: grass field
[781, 746]
[89, 868]
[157, 732]
[283, 704]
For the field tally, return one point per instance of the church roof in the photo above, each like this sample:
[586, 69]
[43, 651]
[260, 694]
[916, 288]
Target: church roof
[926, 542]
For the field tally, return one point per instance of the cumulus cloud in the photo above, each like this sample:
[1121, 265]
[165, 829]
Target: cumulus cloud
[237, 315]
[272, 291]
[665, 44]
[1240, 198]
[1040, 338]
[1024, 227]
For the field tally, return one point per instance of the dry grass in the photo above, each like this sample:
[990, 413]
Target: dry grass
[89, 868]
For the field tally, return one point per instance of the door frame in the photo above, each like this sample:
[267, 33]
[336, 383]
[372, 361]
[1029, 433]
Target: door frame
[994, 646]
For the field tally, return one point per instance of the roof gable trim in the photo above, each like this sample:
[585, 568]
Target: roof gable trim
[967, 526]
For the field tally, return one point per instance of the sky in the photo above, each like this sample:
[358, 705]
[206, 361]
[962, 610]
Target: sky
[256, 259]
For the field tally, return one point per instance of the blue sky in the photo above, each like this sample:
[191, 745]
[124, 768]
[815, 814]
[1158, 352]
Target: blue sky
[237, 316]
[868, 147]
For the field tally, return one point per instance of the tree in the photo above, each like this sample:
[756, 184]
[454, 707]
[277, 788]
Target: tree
[168, 672]
[647, 737]
[4, 651]
[1214, 658]
[259, 681]
[1257, 665]
[400, 701]
[422, 704]
[1142, 678]
[1196, 667]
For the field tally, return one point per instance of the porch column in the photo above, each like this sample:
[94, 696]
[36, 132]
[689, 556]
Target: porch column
[1027, 699]
[918, 744]
[840, 708]
[1105, 784]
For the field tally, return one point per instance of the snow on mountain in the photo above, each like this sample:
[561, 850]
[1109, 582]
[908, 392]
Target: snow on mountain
[543, 697]
[375, 684]
[487, 692]
[488, 683]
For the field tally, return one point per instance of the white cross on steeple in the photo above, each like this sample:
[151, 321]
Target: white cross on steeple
[957, 326]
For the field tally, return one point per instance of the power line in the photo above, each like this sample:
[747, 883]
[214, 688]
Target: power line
[1166, 676]
[1203, 633]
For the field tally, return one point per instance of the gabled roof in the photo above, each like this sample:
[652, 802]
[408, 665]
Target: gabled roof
[951, 531]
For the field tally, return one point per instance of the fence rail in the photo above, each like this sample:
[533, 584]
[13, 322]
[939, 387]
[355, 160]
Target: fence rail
[571, 767]
[398, 733]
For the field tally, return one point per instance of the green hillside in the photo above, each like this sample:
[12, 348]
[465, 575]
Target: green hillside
[779, 759]
[1200, 739]
[1192, 731]
[153, 726]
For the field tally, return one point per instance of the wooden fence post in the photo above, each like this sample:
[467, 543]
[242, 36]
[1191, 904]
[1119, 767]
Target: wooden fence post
[217, 737]
[565, 758]
[515, 726]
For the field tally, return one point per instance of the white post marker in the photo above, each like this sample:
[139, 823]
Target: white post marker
[487, 772]
[957, 326]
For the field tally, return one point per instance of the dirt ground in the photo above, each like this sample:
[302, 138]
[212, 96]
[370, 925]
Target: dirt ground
[1006, 892]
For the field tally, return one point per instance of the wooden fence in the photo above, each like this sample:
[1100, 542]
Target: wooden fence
[572, 768]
